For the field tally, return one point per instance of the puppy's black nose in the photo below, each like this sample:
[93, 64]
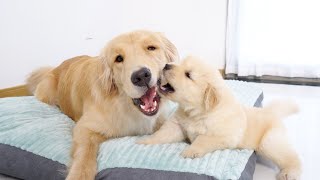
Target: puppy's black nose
[167, 67]
[141, 77]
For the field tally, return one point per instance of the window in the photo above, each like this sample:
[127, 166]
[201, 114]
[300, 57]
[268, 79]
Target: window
[273, 37]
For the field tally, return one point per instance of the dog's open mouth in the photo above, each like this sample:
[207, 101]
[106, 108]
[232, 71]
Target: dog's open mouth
[148, 104]
[167, 88]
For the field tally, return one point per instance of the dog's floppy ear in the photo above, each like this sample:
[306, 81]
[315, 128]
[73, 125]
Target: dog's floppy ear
[106, 76]
[210, 98]
[170, 49]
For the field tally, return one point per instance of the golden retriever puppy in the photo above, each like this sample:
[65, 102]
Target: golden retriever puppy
[110, 95]
[212, 118]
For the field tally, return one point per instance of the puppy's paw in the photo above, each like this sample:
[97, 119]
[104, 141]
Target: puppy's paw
[192, 153]
[287, 174]
[147, 140]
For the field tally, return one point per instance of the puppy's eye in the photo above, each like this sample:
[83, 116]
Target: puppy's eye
[151, 48]
[119, 59]
[188, 75]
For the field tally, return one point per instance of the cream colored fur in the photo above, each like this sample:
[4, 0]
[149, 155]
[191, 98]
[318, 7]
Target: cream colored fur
[211, 118]
[97, 93]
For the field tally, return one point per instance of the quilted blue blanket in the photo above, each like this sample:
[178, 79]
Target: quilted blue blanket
[43, 130]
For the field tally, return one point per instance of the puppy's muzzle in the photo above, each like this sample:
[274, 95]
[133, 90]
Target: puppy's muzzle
[141, 77]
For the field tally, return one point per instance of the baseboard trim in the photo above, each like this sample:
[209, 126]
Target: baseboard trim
[277, 79]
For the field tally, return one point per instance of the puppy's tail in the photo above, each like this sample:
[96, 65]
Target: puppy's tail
[36, 77]
[281, 108]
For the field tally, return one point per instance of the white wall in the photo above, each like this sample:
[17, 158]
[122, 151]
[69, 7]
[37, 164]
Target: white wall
[37, 33]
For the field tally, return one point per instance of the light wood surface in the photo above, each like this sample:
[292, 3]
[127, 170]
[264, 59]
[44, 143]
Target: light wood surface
[14, 91]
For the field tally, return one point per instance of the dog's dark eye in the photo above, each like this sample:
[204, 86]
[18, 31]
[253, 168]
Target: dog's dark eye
[188, 75]
[151, 48]
[119, 59]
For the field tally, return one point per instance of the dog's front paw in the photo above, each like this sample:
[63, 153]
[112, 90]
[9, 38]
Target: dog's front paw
[287, 174]
[192, 153]
[80, 175]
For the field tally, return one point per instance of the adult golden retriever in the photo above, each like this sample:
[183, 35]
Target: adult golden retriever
[212, 118]
[111, 95]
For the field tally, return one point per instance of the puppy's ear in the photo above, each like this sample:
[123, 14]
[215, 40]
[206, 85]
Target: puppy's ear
[170, 49]
[210, 97]
[106, 77]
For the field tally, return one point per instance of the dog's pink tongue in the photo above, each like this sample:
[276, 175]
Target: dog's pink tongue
[147, 99]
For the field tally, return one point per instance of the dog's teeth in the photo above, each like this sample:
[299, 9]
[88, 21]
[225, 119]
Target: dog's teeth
[154, 104]
[162, 88]
[142, 106]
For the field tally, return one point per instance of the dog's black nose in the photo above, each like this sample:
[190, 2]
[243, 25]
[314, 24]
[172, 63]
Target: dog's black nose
[167, 67]
[141, 77]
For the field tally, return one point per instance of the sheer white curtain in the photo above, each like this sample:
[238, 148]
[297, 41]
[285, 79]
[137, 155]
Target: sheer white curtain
[273, 37]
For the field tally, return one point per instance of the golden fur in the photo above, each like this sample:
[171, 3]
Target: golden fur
[97, 93]
[211, 118]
